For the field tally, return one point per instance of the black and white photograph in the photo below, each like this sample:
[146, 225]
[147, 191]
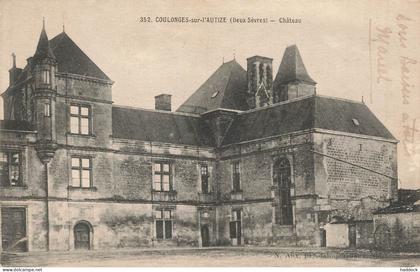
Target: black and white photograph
[209, 134]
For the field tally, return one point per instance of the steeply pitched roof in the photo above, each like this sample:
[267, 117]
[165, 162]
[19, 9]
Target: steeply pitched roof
[71, 59]
[43, 49]
[160, 126]
[226, 88]
[338, 114]
[16, 125]
[306, 113]
[292, 68]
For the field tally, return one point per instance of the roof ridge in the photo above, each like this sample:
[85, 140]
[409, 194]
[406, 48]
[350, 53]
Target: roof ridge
[157, 111]
[340, 98]
[227, 85]
[280, 103]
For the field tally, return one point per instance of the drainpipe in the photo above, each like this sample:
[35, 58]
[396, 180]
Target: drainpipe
[47, 212]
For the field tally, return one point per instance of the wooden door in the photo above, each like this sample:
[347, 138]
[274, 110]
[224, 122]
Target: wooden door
[13, 229]
[323, 237]
[205, 236]
[82, 236]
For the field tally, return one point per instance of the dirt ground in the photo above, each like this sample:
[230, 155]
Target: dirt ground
[248, 257]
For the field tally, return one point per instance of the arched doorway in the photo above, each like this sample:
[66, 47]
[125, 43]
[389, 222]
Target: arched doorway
[82, 235]
[282, 178]
[205, 236]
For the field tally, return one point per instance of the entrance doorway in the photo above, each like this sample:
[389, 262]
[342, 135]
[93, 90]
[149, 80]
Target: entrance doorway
[82, 236]
[352, 235]
[13, 229]
[323, 236]
[205, 236]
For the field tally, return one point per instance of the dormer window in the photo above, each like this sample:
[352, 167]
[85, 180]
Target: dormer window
[46, 77]
[355, 122]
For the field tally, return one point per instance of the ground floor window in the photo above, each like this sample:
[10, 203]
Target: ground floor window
[235, 224]
[163, 223]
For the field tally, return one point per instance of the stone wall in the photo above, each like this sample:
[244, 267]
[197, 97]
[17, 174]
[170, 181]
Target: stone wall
[119, 225]
[341, 163]
[259, 193]
[398, 231]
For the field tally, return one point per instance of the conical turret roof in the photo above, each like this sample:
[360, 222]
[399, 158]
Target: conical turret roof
[292, 68]
[43, 50]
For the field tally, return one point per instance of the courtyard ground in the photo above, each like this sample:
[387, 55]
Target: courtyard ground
[231, 256]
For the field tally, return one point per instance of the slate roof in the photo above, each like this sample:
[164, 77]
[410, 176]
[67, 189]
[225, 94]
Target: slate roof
[292, 68]
[283, 118]
[306, 113]
[160, 126]
[71, 59]
[16, 125]
[226, 88]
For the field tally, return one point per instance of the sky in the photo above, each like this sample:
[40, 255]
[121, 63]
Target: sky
[352, 49]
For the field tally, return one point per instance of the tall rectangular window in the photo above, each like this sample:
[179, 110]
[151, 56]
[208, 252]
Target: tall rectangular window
[162, 177]
[235, 224]
[46, 77]
[163, 222]
[80, 120]
[81, 172]
[204, 179]
[10, 172]
[236, 176]
[47, 109]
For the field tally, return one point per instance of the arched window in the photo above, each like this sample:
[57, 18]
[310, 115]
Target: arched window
[282, 178]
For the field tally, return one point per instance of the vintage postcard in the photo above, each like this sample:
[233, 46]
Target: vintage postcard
[210, 133]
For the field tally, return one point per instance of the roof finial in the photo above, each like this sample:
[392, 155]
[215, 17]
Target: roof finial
[234, 55]
[64, 27]
[363, 101]
[43, 22]
[14, 59]
[223, 59]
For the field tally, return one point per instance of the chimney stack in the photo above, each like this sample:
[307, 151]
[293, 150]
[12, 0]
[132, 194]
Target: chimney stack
[14, 72]
[163, 102]
[260, 81]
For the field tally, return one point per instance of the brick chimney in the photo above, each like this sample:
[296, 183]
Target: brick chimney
[163, 102]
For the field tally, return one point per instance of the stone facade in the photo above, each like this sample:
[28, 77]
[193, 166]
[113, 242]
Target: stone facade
[244, 195]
